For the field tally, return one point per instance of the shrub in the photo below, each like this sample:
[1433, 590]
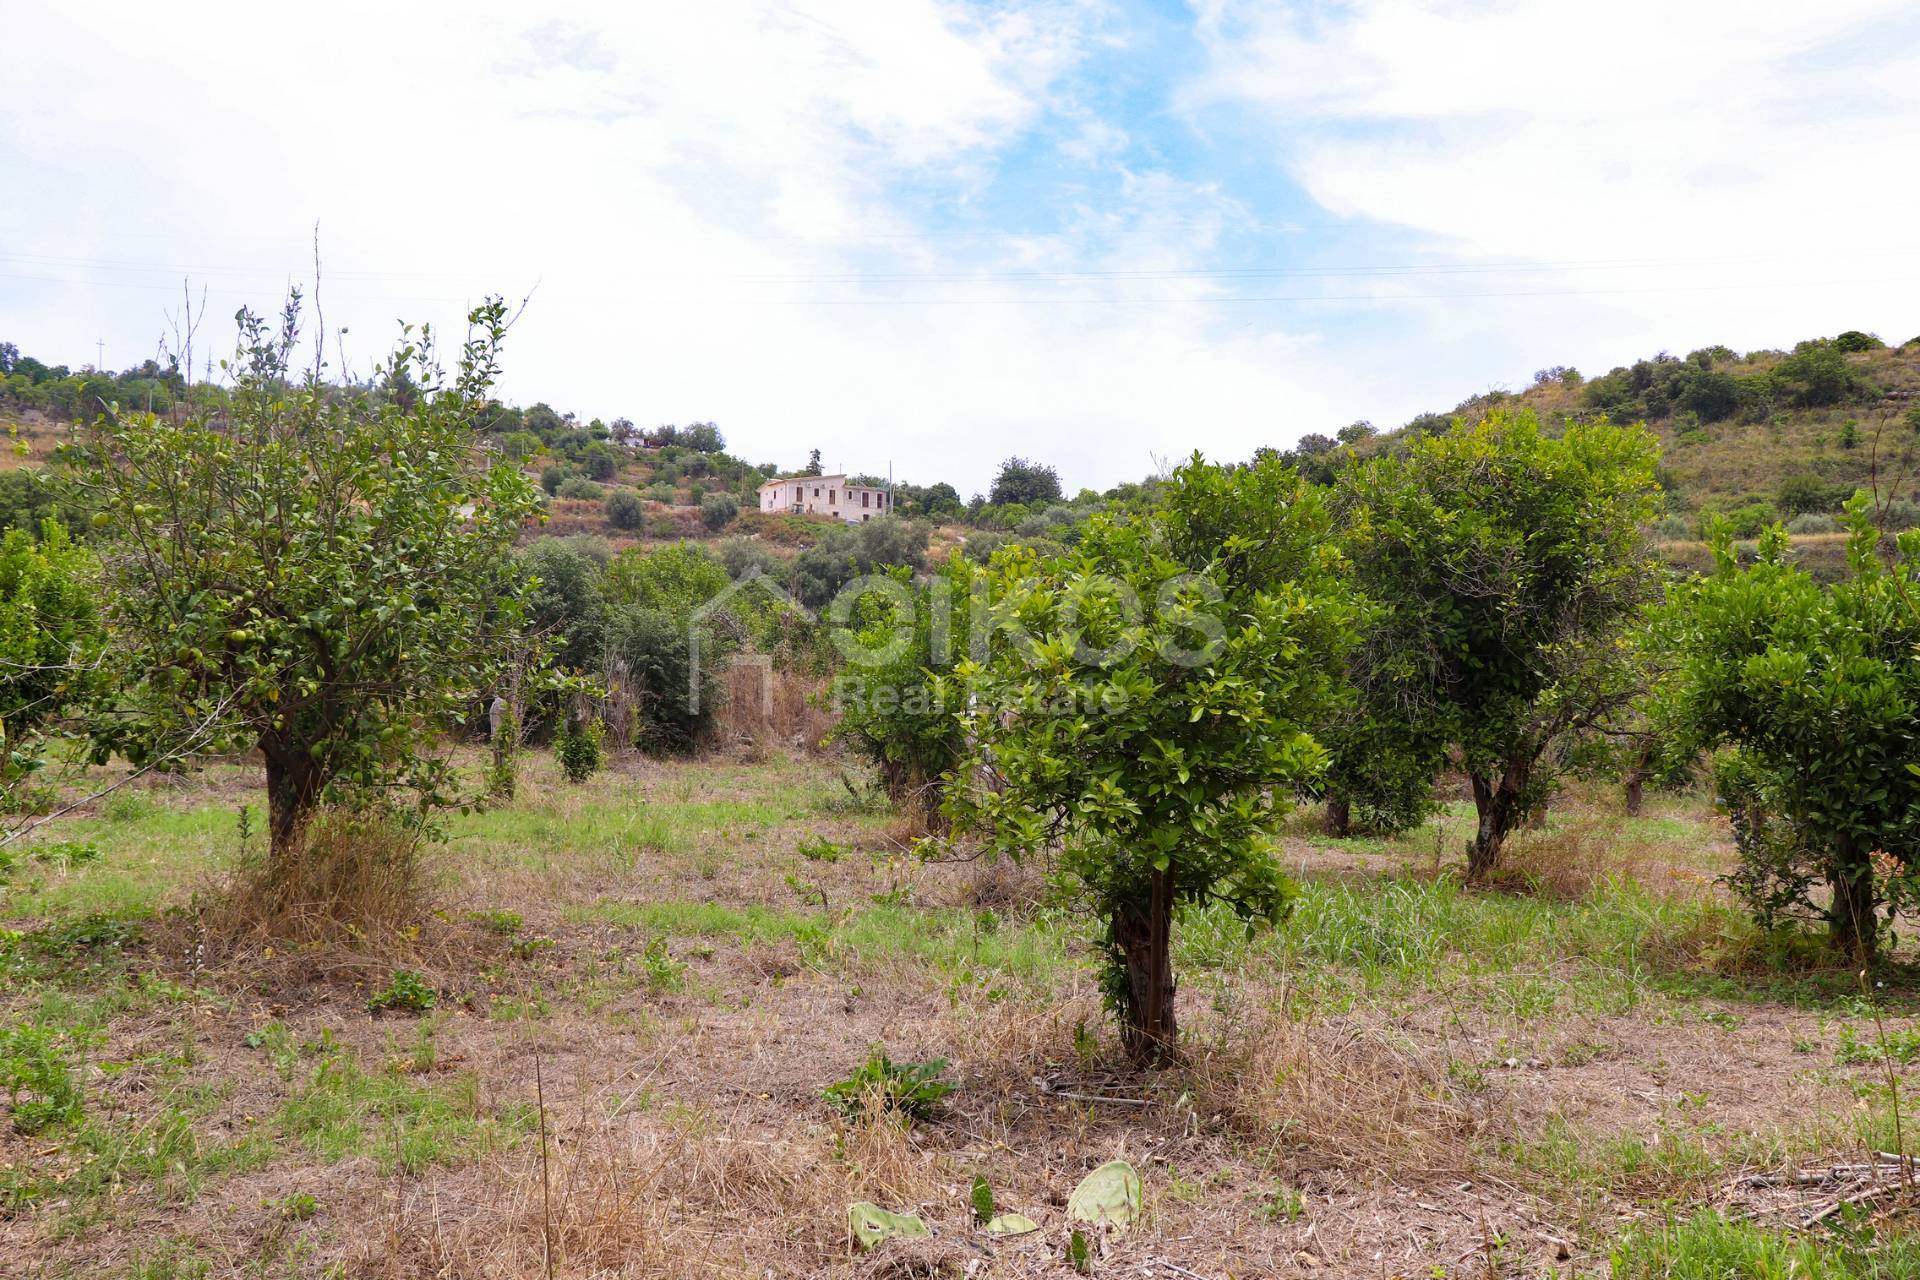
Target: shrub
[625, 510]
[717, 510]
[580, 489]
[579, 750]
[1749, 519]
[1812, 522]
[1855, 340]
[1803, 492]
[555, 474]
[911, 1090]
[894, 709]
[740, 556]
[1673, 528]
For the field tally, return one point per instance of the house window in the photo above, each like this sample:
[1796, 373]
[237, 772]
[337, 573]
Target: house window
[864, 496]
[816, 491]
[830, 498]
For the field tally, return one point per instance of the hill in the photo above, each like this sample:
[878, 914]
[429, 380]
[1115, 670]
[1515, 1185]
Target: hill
[1756, 436]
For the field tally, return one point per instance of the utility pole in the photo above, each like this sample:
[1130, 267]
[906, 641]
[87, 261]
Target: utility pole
[100, 361]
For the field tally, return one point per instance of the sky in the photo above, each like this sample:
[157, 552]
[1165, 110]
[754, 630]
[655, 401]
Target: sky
[927, 236]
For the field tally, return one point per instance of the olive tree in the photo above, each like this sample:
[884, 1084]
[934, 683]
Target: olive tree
[1511, 564]
[1145, 709]
[321, 572]
[1817, 690]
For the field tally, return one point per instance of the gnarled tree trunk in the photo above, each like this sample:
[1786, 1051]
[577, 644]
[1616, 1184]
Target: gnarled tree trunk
[1498, 802]
[293, 791]
[1144, 938]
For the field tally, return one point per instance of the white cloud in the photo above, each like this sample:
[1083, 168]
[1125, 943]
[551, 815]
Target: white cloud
[793, 218]
[1679, 154]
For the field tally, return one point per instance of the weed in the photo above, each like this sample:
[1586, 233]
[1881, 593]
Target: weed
[911, 1090]
[38, 1078]
[818, 848]
[664, 973]
[505, 923]
[295, 1207]
[406, 991]
[529, 946]
[1902, 1046]
[1283, 1204]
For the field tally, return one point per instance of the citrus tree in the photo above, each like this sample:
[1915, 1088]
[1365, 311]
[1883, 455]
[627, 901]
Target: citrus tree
[1511, 564]
[50, 644]
[318, 572]
[1144, 709]
[1817, 689]
[900, 639]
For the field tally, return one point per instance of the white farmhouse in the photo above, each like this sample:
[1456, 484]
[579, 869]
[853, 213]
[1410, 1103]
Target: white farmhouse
[827, 496]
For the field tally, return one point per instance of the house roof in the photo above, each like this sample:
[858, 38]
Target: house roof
[837, 475]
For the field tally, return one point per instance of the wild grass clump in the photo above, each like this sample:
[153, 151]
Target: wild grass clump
[1345, 1094]
[359, 875]
[1565, 863]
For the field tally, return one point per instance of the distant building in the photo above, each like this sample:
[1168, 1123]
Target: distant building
[826, 496]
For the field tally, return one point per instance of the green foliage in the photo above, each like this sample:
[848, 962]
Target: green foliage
[1024, 482]
[717, 510]
[841, 555]
[1805, 492]
[51, 640]
[323, 574]
[1509, 564]
[1817, 689]
[580, 489]
[625, 510]
[1708, 1246]
[406, 991]
[1153, 741]
[30, 496]
[37, 1075]
[895, 710]
[565, 597]
[580, 750]
[1817, 374]
[910, 1090]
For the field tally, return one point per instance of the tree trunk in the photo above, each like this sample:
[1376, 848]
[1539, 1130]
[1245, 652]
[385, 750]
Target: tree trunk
[1339, 816]
[1145, 941]
[1497, 802]
[1637, 782]
[1852, 925]
[1636, 792]
[293, 789]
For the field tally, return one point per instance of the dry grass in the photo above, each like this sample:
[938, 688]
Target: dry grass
[358, 877]
[1349, 1094]
[764, 710]
[1567, 861]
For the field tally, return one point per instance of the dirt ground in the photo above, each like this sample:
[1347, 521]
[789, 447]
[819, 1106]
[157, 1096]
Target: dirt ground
[641, 986]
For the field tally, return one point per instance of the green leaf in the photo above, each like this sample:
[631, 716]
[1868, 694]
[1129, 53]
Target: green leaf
[1012, 1224]
[870, 1224]
[1077, 1256]
[1108, 1197]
